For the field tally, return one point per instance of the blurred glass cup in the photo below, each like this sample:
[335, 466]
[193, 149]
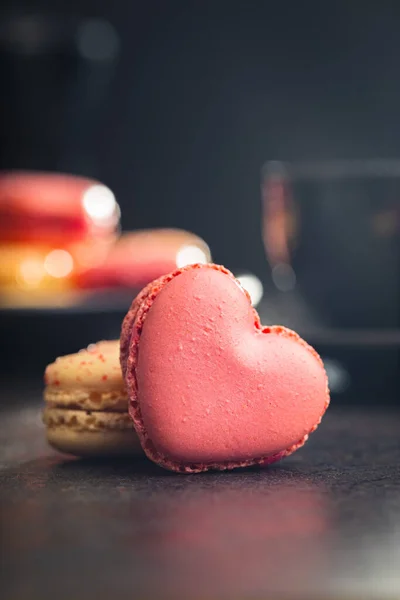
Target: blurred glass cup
[331, 233]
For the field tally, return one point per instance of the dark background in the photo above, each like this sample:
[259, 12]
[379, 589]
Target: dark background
[195, 98]
[204, 92]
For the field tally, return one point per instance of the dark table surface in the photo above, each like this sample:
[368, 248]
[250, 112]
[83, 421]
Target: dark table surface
[324, 523]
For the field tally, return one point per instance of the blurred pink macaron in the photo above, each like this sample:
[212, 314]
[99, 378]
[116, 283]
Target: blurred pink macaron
[141, 256]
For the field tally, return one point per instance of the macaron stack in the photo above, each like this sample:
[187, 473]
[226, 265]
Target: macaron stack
[208, 386]
[86, 411]
[52, 226]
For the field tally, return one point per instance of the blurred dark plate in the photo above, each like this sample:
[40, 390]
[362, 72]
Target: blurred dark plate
[86, 302]
[35, 336]
[363, 365]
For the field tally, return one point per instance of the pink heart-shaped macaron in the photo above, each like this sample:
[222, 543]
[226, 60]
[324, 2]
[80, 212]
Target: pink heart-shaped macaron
[209, 387]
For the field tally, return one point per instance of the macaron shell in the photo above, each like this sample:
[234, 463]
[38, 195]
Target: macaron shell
[130, 317]
[95, 368]
[95, 434]
[133, 322]
[28, 192]
[99, 444]
[209, 387]
[47, 207]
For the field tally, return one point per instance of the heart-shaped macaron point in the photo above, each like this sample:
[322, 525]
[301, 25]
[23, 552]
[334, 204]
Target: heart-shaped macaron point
[211, 388]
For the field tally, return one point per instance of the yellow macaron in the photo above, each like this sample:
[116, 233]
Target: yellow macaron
[86, 404]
